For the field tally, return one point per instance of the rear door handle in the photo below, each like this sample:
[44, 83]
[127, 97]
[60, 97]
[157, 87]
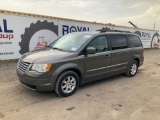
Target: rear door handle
[108, 55]
[128, 52]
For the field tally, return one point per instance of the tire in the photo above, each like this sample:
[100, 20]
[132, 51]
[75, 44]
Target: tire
[29, 32]
[132, 69]
[67, 84]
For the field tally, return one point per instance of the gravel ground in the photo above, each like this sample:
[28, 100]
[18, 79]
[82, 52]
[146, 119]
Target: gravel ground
[116, 98]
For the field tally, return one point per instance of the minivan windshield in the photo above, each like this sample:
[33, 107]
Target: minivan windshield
[70, 42]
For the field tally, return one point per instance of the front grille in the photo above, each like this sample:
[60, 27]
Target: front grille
[22, 66]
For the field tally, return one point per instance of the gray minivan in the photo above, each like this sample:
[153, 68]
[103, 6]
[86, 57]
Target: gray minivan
[77, 58]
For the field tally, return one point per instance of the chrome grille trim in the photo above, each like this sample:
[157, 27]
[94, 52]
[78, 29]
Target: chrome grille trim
[23, 66]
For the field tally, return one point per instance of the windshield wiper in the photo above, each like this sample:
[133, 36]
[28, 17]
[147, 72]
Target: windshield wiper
[58, 49]
[48, 46]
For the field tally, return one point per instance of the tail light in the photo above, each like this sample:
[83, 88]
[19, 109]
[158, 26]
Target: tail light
[143, 52]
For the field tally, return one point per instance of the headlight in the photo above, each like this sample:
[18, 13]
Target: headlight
[41, 67]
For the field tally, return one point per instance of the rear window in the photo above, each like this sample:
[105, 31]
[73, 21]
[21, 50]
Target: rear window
[118, 41]
[134, 41]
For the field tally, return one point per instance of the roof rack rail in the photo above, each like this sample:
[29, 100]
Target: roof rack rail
[109, 30]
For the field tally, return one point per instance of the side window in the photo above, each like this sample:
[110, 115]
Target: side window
[118, 41]
[134, 41]
[100, 43]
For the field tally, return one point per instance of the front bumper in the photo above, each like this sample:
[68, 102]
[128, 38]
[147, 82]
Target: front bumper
[35, 81]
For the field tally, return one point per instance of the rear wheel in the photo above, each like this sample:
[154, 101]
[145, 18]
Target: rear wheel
[67, 84]
[133, 68]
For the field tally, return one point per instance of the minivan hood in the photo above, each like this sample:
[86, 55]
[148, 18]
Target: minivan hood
[44, 55]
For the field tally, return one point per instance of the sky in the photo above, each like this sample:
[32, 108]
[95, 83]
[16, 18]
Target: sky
[143, 13]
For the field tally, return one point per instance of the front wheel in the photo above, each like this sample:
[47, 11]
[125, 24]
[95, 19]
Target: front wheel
[67, 84]
[133, 68]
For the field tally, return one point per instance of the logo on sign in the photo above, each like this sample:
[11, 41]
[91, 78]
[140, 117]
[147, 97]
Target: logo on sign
[5, 32]
[146, 36]
[69, 29]
[38, 35]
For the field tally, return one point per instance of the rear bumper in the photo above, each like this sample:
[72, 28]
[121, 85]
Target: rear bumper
[36, 84]
[140, 64]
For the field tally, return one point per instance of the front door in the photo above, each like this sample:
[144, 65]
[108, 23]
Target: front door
[97, 65]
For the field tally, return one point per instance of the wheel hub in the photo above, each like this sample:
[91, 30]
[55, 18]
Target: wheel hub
[133, 69]
[68, 84]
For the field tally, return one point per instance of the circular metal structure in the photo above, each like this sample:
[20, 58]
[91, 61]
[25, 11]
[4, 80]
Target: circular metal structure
[133, 68]
[68, 84]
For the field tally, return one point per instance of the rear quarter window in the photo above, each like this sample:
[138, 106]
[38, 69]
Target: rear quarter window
[134, 41]
[118, 41]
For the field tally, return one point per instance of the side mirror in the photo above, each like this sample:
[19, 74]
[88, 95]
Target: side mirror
[91, 50]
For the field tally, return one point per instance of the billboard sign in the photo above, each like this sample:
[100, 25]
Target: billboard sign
[20, 34]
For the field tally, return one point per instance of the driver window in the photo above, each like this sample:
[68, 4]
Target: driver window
[100, 43]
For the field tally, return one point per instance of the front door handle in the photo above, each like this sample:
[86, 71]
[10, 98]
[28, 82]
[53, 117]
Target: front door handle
[106, 56]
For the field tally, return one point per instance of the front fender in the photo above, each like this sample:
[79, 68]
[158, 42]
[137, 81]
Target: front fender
[63, 68]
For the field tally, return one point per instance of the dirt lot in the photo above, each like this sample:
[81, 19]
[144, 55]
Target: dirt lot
[116, 98]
